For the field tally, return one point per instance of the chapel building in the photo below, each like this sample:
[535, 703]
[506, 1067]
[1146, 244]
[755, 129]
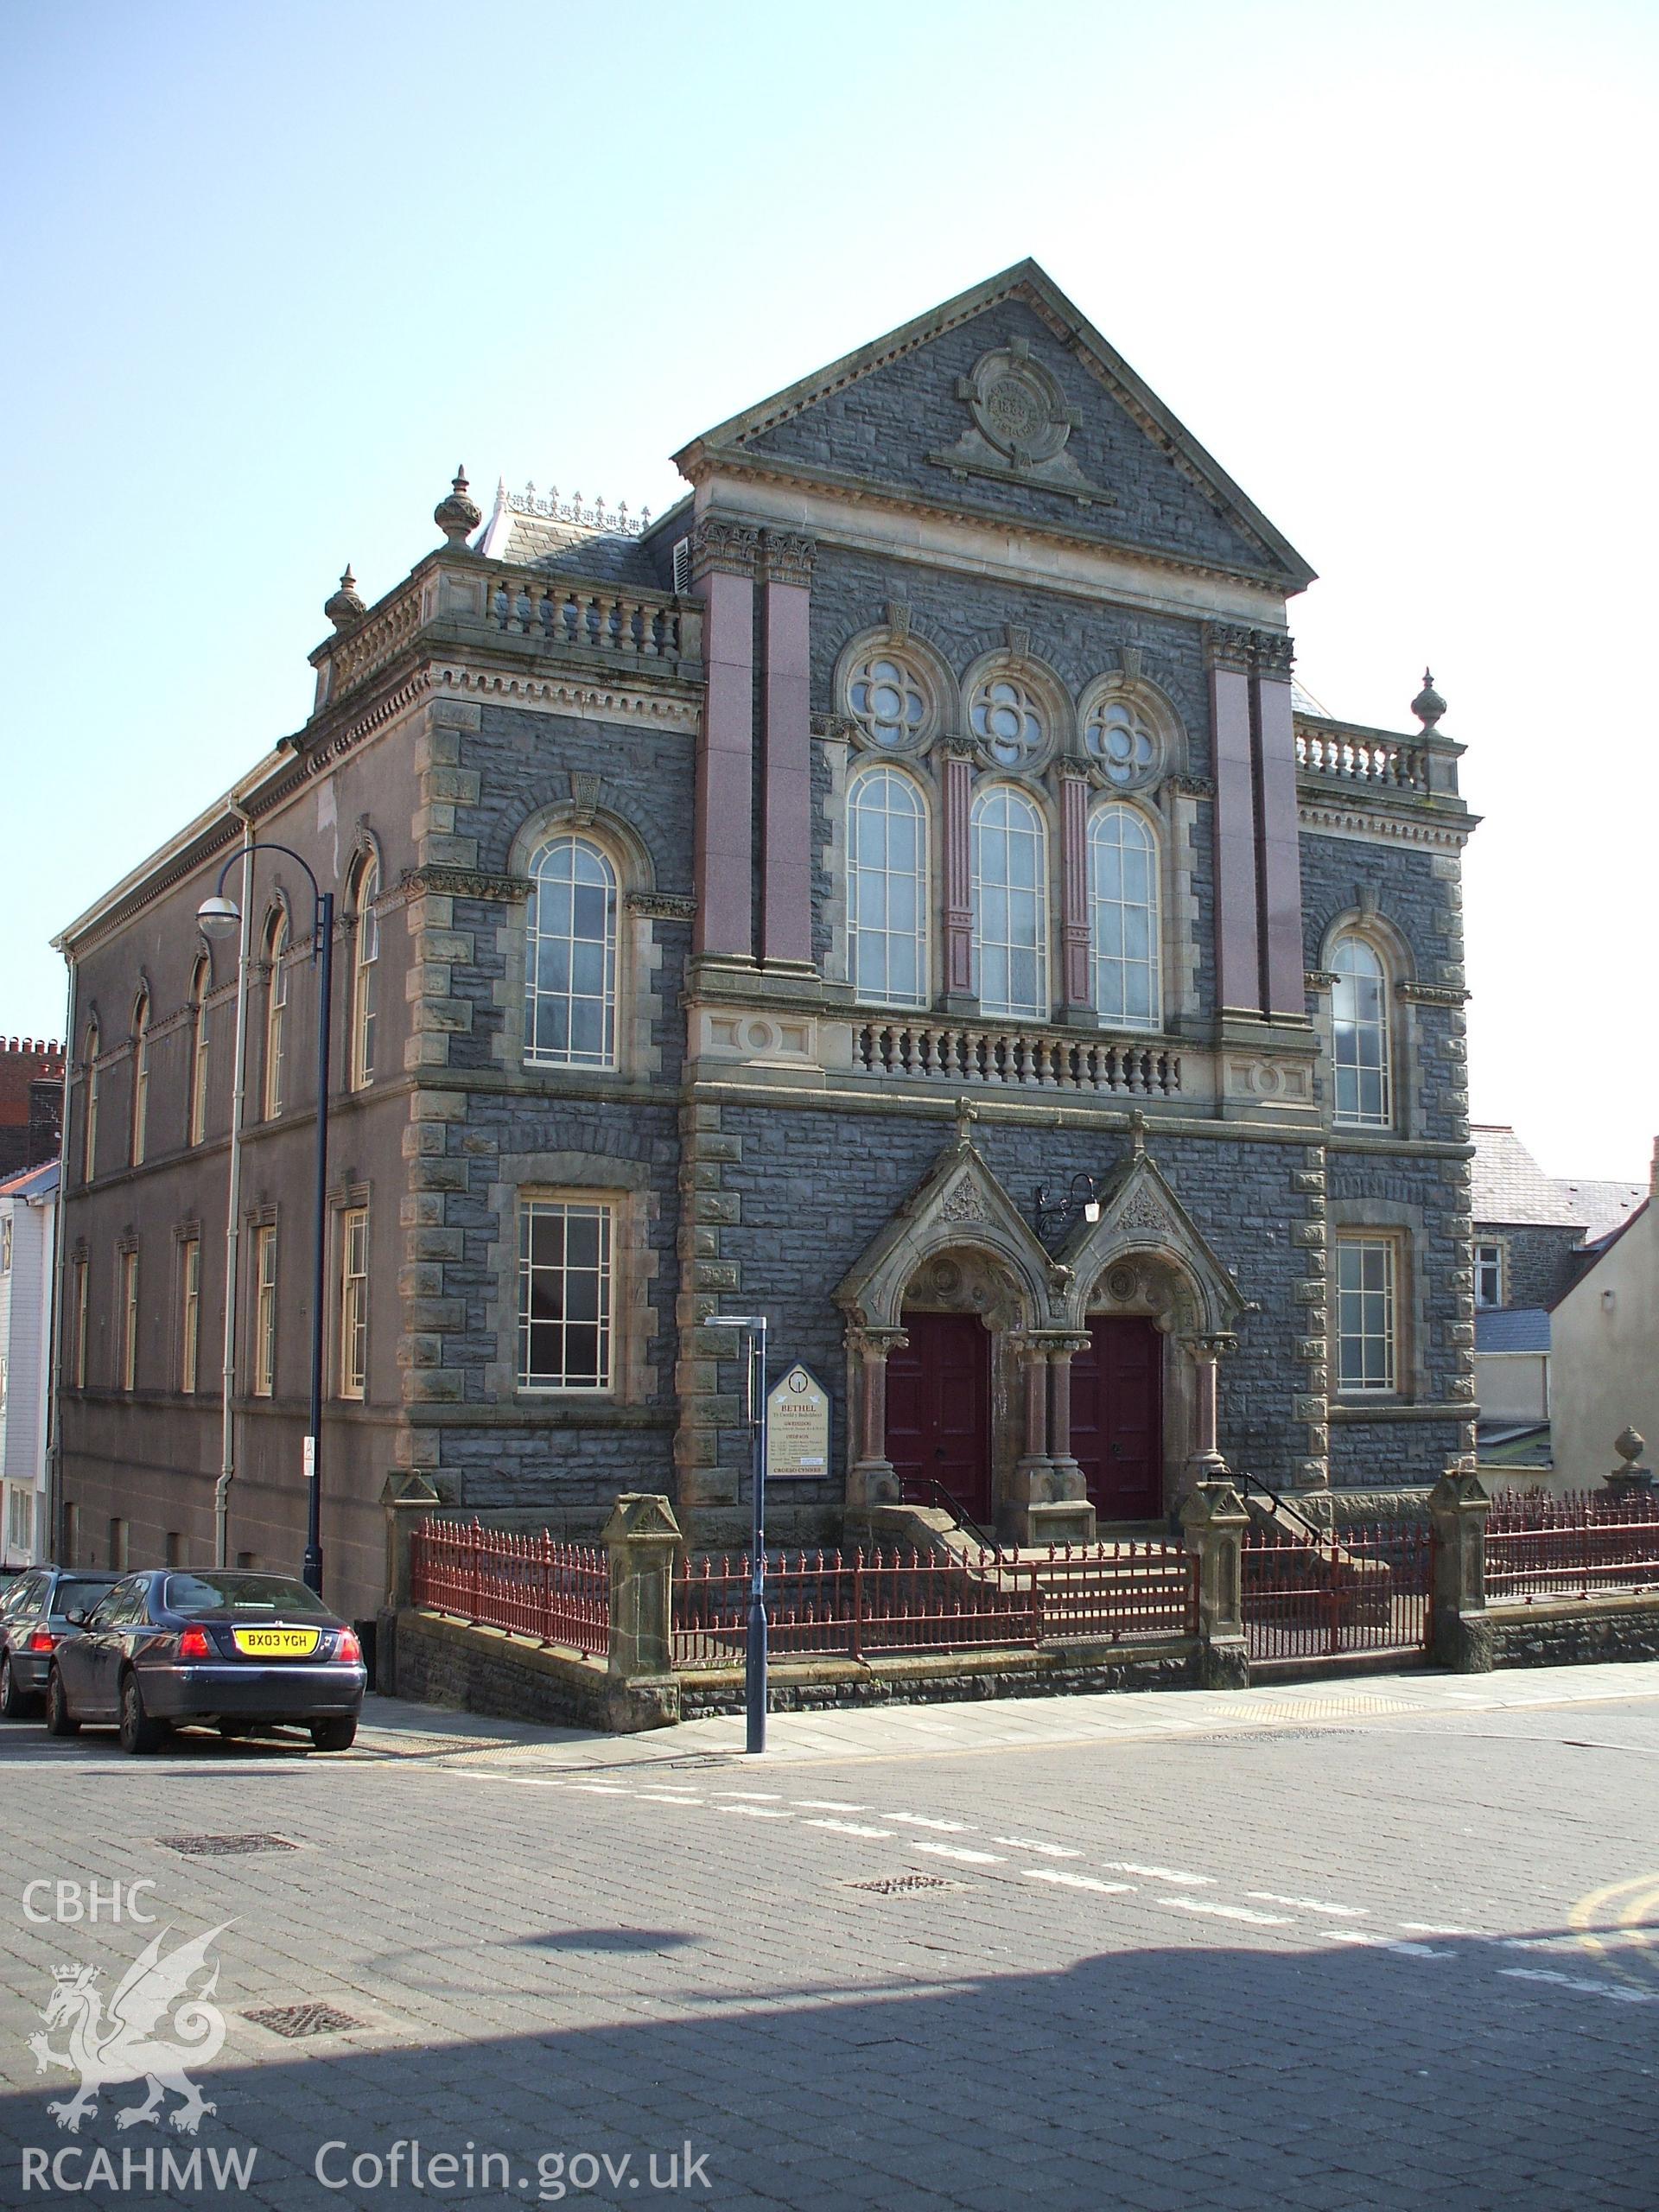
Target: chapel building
[902, 890]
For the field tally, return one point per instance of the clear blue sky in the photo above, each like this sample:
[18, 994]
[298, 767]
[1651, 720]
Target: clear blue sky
[271, 269]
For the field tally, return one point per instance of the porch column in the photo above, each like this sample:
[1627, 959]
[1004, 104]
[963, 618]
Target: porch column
[1205, 1463]
[1034, 1465]
[956, 777]
[1068, 1479]
[786, 838]
[1077, 999]
[871, 1479]
[724, 557]
[1279, 846]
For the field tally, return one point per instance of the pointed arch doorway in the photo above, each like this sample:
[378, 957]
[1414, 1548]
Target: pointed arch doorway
[939, 1409]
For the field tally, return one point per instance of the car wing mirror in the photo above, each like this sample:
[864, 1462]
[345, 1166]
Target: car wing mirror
[76, 1615]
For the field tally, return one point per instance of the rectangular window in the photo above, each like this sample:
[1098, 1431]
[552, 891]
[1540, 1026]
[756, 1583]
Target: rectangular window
[353, 1301]
[264, 1311]
[5, 1246]
[1366, 1352]
[119, 1545]
[565, 1294]
[20, 1520]
[1488, 1275]
[129, 1320]
[78, 1323]
[190, 1317]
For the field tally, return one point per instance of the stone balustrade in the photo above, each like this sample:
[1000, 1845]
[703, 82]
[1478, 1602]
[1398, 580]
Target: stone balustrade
[1023, 1059]
[566, 611]
[1364, 757]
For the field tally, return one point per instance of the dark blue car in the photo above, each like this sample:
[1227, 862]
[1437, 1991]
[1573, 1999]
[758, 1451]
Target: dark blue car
[171, 1648]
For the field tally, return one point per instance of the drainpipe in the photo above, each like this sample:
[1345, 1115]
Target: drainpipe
[234, 1206]
[49, 1540]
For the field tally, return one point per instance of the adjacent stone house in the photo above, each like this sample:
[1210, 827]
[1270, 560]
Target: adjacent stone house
[900, 888]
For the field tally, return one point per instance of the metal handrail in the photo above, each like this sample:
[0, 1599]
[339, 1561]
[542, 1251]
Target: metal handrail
[1249, 1482]
[943, 1498]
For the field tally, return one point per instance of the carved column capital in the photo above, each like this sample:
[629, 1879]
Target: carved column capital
[786, 558]
[1226, 645]
[1272, 653]
[718, 542]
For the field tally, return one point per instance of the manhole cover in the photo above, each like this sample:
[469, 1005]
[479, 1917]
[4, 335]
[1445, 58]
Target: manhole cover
[224, 1846]
[295, 2021]
[901, 1885]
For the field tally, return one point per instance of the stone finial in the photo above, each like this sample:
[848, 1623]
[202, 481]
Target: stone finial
[1630, 1444]
[457, 517]
[1428, 706]
[343, 607]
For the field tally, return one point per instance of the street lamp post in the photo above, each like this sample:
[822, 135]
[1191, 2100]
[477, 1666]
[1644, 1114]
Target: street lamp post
[753, 1326]
[220, 917]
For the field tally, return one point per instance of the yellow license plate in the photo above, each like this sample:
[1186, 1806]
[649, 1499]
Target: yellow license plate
[275, 1643]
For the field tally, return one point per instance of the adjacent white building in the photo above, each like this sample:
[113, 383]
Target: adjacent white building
[29, 1205]
[1606, 1348]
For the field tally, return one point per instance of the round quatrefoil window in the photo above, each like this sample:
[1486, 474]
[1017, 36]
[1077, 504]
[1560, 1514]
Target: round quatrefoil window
[886, 698]
[1009, 721]
[1123, 742]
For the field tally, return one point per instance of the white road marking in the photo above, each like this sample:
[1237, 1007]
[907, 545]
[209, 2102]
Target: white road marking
[1376, 1943]
[1048, 1850]
[665, 1797]
[828, 1805]
[1435, 1928]
[760, 1797]
[1071, 1881]
[1309, 1904]
[1617, 1991]
[759, 1812]
[1226, 1912]
[527, 1780]
[1556, 1943]
[602, 1789]
[1160, 1873]
[848, 1828]
[921, 1820]
[954, 1851]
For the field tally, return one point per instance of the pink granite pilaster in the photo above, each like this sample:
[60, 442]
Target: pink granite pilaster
[958, 878]
[1238, 977]
[724, 554]
[786, 843]
[1279, 848]
[1076, 997]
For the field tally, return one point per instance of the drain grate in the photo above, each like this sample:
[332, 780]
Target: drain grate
[224, 1846]
[901, 1886]
[297, 2021]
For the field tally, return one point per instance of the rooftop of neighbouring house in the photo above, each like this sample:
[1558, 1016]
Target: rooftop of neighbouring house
[1512, 1190]
[37, 1183]
[1512, 1328]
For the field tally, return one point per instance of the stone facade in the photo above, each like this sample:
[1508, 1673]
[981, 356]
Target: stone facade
[990, 504]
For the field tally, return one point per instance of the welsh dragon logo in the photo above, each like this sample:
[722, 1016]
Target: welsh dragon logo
[113, 2052]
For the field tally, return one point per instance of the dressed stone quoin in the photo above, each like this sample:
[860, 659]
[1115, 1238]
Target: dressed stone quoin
[753, 908]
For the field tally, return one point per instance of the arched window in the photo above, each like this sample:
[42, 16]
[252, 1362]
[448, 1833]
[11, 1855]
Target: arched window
[364, 962]
[276, 954]
[1123, 932]
[886, 889]
[1359, 1024]
[89, 1134]
[570, 956]
[201, 984]
[1010, 893]
[140, 1078]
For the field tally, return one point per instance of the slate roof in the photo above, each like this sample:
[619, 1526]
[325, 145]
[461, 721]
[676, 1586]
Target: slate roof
[1604, 1206]
[33, 1183]
[1510, 1186]
[1512, 1328]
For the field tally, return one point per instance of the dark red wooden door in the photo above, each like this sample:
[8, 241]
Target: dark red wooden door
[1117, 1417]
[938, 1407]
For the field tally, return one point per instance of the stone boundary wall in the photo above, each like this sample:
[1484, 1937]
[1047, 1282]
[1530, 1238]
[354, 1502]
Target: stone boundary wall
[438, 1661]
[947, 1678]
[1573, 1631]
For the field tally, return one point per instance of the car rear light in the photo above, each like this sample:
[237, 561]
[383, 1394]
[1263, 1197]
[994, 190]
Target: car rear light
[194, 1645]
[42, 1640]
[347, 1648]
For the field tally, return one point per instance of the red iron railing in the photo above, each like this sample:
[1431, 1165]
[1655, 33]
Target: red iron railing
[1359, 1589]
[827, 1605]
[1573, 1545]
[530, 1586]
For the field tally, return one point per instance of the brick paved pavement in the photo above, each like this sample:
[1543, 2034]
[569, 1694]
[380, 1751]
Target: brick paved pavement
[1381, 1944]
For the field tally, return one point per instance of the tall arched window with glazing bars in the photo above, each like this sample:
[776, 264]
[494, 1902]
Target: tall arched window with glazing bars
[570, 956]
[201, 982]
[1010, 903]
[886, 889]
[140, 1129]
[276, 950]
[366, 960]
[1360, 1022]
[1123, 918]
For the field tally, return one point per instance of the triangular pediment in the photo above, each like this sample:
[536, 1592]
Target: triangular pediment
[1005, 402]
[958, 1203]
[1141, 1213]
